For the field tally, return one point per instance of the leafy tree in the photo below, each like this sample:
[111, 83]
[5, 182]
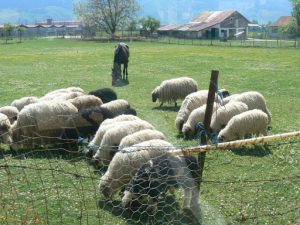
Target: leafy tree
[149, 25]
[8, 30]
[107, 15]
[20, 32]
[296, 14]
[132, 26]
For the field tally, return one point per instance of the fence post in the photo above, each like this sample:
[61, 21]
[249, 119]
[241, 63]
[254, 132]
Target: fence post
[207, 118]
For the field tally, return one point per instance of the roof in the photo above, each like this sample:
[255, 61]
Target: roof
[209, 19]
[282, 21]
[203, 21]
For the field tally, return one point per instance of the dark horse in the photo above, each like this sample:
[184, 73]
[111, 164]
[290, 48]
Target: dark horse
[121, 56]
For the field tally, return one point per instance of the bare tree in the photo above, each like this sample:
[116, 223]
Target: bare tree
[107, 15]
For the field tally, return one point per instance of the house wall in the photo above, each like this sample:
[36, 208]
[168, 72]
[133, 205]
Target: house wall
[232, 25]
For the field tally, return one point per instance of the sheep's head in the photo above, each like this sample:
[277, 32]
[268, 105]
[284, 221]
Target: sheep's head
[104, 186]
[155, 94]
[187, 131]
[179, 124]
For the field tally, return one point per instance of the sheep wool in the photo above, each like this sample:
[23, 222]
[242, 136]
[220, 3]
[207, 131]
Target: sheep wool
[250, 122]
[106, 125]
[116, 107]
[174, 89]
[224, 113]
[22, 102]
[113, 137]
[11, 112]
[254, 100]
[126, 163]
[5, 129]
[191, 102]
[140, 136]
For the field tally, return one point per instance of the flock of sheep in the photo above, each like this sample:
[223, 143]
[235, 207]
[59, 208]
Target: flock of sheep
[136, 156]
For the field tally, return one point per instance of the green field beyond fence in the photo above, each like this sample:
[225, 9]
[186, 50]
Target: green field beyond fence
[250, 185]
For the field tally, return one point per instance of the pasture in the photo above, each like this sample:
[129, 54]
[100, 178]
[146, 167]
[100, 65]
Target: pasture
[251, 185]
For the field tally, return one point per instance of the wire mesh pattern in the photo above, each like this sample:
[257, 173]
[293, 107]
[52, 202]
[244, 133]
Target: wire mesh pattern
[253, 185]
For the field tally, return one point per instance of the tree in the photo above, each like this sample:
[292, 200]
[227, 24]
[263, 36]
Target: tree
[8, 30]
[149, 25]
[20, 32]
[296, 14]
[107, 15]
[132, 26]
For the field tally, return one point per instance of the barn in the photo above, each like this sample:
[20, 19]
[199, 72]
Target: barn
[211, 25]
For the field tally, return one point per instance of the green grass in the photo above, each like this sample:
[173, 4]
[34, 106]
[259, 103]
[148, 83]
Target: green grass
[41, 188]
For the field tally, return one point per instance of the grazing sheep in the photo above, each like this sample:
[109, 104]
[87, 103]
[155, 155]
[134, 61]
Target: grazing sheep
[126, 163]
[113, 137]
[140, 136]
[105, 94]
[161, 174]
[42, 121]
[65, 90]
[117, 107]
[5, 130]
[20, 103]
[191, 102]
[105, 126]
[250, 122]
[224, 113]
[196, 116]
[227, 99]
[173, 89]
[254, 100]
[11, 112]
[62, 96]
[85, 102]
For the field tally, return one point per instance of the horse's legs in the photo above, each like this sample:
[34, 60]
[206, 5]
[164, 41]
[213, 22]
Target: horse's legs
[126, 70]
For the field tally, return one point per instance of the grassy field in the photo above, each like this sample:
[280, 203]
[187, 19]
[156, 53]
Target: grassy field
[252, 185]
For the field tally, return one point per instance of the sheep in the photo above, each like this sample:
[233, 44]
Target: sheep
[191, 102]
[126, 163]
[86, 101]
[5, 129]
[105, 94]
[11, 112]
[196, 116]
[254, 100]
[20, 103]
[94, 144]
[117, 107]
[113, 137]
[62, 96]
[65, 90]
[224, 113]
[173, 89]
[41, 120]
[227, 99]
[140, 136]
[254, 121]
[161, 174]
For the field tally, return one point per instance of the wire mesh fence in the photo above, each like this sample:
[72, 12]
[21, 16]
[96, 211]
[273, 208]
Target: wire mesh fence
[252, 185]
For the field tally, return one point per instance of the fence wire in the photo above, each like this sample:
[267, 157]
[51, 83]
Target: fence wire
[253, 185]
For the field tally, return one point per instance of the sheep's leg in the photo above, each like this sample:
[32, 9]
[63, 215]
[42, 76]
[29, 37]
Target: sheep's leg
[161, 104]
[175, 104]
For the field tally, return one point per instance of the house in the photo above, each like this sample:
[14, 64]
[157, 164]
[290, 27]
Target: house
[274, 28]
[213, 25]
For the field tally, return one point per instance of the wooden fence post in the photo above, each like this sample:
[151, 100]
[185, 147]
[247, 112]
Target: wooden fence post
[207, 118]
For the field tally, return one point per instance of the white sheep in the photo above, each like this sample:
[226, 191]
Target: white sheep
[250, 122]
[191, 102]
[126, 163]
[140, 136]
[61, 96]
[11, 112]
[174, 89]
[224, 113]
[113, 137]
[65, 90]
[118, 107]
[106, 125]
[21, 102]
[196, 116]
[43, 120]
[5, 129]
[254, 100]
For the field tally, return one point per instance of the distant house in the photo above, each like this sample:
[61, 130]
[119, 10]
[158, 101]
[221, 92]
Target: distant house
[274, 28]
[211, 25]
